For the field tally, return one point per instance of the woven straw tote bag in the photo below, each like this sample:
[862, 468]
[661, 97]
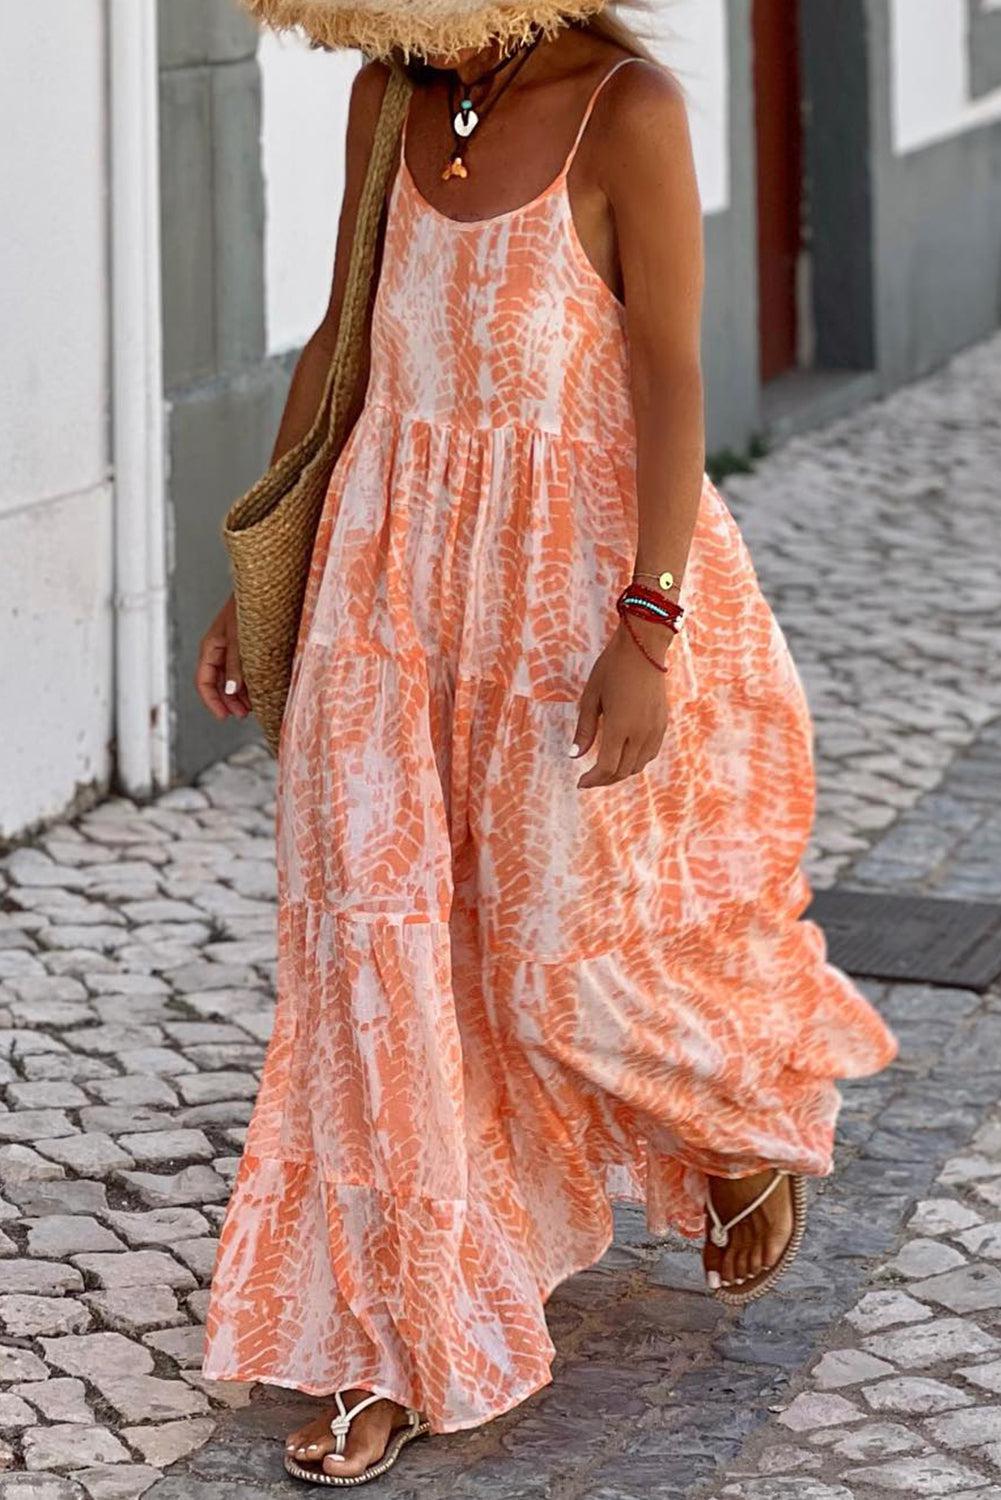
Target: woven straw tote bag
[270, 531]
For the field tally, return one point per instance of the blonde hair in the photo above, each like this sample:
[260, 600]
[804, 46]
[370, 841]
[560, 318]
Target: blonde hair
[609, 23]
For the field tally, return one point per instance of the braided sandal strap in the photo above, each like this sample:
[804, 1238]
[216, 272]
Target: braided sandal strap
[341, 1424]
[719, 1234]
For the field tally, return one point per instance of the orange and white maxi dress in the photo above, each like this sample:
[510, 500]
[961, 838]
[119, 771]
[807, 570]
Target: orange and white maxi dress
[503, 1002]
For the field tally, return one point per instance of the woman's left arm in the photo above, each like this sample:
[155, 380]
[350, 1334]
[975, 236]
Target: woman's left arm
[658, 219]
[651, 186]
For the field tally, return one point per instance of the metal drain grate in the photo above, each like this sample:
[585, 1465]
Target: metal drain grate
[926, 939]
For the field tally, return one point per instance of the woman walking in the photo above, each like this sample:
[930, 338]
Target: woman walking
[539, 847]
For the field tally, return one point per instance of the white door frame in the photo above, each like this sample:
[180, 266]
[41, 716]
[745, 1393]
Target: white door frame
[142, 700]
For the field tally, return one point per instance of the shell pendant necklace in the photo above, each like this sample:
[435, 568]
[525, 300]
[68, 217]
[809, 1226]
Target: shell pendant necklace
[463, 112]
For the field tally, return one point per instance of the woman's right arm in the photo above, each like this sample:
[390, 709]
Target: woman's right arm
[218, 675]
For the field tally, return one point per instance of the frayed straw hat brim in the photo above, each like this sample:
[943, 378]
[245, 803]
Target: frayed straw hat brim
[420, 28]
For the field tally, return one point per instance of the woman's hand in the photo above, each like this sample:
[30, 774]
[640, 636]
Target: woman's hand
[626, 692]
[219, 676]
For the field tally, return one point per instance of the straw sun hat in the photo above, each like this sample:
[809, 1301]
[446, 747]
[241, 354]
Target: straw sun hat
[419, 28]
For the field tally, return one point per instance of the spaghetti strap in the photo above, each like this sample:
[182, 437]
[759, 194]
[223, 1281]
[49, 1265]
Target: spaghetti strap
[590, 106]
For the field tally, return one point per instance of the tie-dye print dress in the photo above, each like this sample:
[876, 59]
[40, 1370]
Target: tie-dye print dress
[503, 1001]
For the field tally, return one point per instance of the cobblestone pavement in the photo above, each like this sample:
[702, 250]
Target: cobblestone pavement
[137, 966]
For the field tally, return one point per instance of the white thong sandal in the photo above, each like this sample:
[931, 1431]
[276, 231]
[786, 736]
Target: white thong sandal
[414, 1427]
[719, 1234]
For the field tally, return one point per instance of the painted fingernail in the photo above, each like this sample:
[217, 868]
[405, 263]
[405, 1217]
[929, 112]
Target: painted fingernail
[713, 1281]
[231, 687]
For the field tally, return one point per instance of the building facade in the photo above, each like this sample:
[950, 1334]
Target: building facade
[175, 221]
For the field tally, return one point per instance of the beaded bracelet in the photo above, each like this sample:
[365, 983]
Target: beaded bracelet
[649, 605]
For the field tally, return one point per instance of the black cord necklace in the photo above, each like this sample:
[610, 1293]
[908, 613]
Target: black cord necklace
[464, 114]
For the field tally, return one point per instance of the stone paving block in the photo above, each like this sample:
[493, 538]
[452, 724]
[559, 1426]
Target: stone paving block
[212, 1088]
[64, 1065]
[157, 1060]
[33, 869]
[969, 1428]
[242, 1057]
[89, 1354]
[972, 1289]
[203, 975]
[39, 1487]
[927, 1344]
[916, 1395]
[983, 1241]
[15, 1413]
[130, 1314]
[812, 1410]
[26, 1316]
[108, 1039]
[61, 1235]
[29, 1124]
[923, 1257]
[185, 1346]
[841, 1367]
[794, 1488]
[941, 1216]
[59, 1400]
[192, 1185]
[163, 1147]
[145, 1398]
[118, 1482]
[135, 1268]
[929, 1474]
[92, 1155]
[199, 1256]
[20, 1364]
[121, 1119]
[38, 1199]
[166, 1444]
[69, 1447]
[204, 1033]
[160, 1226]
[197, 1304]
[135, 1090]
[234, 1394]
[878, 1440]
[117, 983]
[962, 1171]
[987, 1377]
[44, 1278]
[47, 987]
[57, 1095]
[235, 1112]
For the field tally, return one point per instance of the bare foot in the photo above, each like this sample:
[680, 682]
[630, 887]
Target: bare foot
[367, 1440]
[757, 1242]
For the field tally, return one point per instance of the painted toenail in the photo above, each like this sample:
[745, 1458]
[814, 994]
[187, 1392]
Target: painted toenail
[713, 1281]
[337, 1458]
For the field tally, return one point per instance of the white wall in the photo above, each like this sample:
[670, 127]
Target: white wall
[931, 74]
[692, 38]
[55, 497]
[305, 112]
[305, 116]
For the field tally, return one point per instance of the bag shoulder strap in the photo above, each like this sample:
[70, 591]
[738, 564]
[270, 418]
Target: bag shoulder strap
[358, 287]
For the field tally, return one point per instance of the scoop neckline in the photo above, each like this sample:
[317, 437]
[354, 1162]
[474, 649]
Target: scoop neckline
[509, 213]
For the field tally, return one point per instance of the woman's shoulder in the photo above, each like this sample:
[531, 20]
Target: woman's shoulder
[641, 114]
[643, 95]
